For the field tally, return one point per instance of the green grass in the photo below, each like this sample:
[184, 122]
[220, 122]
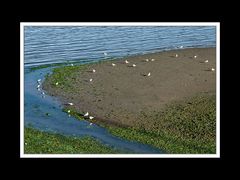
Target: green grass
[38, 142]
[188, 127]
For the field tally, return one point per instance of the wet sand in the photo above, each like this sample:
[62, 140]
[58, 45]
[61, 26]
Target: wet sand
[120, 94]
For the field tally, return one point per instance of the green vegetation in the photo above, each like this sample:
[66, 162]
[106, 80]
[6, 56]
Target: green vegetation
[188, 127]
[51, 65]
[38, 142]
[182, 128]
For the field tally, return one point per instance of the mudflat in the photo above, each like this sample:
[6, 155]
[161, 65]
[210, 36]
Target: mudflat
[124, 95]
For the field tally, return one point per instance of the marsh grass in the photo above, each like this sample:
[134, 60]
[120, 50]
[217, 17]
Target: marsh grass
[183, 127]
[38, 142]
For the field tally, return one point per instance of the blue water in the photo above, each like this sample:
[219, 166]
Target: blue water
[47, 45]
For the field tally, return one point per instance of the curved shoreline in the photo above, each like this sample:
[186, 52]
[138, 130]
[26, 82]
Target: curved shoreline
[45, 114]
[107, 97]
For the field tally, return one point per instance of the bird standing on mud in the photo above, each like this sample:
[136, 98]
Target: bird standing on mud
[86, 114]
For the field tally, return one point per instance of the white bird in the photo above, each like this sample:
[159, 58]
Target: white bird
[43, 93]
[70, 104]
[68, 111]
[206, 61]
[134, 65]
[90, 124]
[195, 56]
[39, 80]
[105, 54]
[213, 69]
[90, 80]
[56, 83]
[86, 114]
[94, 70]
[38, 86]
[152, 59]
[71, 64]
[176, 55]
[181, 47]
[113, 64]
[91, 117]
[146, 60]
[126, 61]
[149, 74]
[38, 89]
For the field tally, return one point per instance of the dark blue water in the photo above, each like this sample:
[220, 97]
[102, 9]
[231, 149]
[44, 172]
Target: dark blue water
[46, 45]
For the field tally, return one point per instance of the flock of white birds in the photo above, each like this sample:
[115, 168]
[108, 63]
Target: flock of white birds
[87, 115]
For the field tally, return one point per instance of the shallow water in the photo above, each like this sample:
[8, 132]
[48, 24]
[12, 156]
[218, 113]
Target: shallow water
[47, 45]
[37, 105]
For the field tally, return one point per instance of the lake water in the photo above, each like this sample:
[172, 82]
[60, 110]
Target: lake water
[47, 45]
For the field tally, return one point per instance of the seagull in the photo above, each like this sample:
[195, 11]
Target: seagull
[195, 56]
[94, 70]
[134, 65]
[85, 115]
[213, 69]
[68, 111]
[56, 83]
[206, 61]
[181, 47]
[38, 89]
[90, 123]
[149, 74]
[146, 60]
[152, 59]
[105, 54]
[91, 117]
[39, 80]
[113, 64]
[126, 61]
[38, 86]
[90, 80]
[176, 55]
[71, 64]
[70, 104]
[43, 93]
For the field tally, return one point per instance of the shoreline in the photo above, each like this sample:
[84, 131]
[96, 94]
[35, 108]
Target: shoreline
[123, 97]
